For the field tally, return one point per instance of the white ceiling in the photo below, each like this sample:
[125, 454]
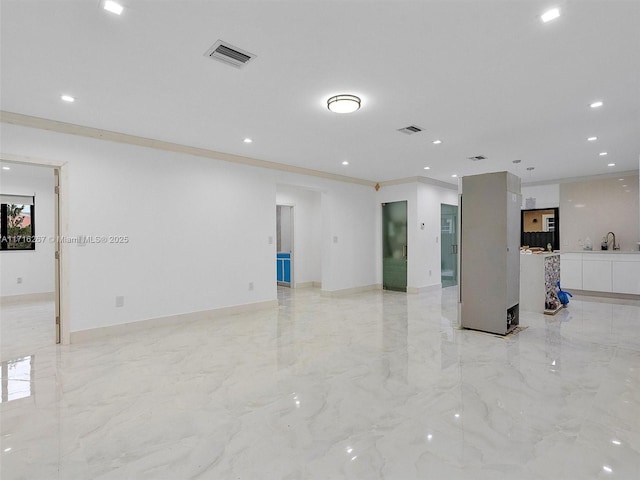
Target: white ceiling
[485, 77]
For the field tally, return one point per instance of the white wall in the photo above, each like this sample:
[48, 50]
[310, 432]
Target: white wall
[430, 198]
[424, 200]
[593, 208]
[545, 196]
[198, 229]
[307, 231]
[349, 237]
[34, 267]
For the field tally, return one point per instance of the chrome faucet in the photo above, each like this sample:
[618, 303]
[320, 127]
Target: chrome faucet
[614, 246]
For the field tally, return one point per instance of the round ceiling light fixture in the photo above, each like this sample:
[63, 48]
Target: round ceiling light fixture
[343, 103]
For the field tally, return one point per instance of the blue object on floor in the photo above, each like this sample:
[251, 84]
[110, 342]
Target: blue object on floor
[563, 296]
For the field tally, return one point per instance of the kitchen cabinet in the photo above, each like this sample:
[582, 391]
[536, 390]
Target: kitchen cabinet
[571, 270]
[612, 272]
[596, 272]
[626, 274]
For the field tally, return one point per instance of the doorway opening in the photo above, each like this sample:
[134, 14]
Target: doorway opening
[31, 276]
[284, 245]
[448, 245]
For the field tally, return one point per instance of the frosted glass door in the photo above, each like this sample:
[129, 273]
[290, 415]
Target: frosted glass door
[448, 245]
[394, 246]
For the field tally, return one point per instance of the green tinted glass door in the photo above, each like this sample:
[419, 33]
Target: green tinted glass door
[394, 246]
[449, 245]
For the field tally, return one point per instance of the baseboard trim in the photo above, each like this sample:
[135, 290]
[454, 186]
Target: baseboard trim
[350, 291]
[27, 298]
[428, 288]
[617, 296]
[308, 285]
[99, 333]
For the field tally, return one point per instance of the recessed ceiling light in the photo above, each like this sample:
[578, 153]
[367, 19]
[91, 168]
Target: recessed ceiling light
[611, 164]
[343, 103]
[67, 98]
[607, 468]
[437, 142]
[427, 168]
[592, 139]
[454, 176]
[113, 7]
[345, 163]
[602, 154]
[9, 168]
[550, 15]
[596, 104]
[247, 140]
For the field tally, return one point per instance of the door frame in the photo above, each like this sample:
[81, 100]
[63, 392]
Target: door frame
[292, 238]
[456, 245]
[62, 333]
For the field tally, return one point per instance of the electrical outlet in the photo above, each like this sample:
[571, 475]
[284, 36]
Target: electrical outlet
[270, 240]
[250, 286]
[19, 280]
[119, 301]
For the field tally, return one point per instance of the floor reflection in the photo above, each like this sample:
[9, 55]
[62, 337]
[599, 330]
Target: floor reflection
[17, 378]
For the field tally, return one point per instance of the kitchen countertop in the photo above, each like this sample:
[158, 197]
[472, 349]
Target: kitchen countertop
[613, 252]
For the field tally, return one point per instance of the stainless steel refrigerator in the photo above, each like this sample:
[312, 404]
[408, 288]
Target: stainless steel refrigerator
[490, 252]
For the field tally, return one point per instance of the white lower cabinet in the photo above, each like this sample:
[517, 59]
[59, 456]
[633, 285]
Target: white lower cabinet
[571, 271]
[601, 272]
[596, 275]
[626, 276]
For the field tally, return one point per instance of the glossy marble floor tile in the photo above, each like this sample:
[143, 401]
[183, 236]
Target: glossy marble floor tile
[378, 385]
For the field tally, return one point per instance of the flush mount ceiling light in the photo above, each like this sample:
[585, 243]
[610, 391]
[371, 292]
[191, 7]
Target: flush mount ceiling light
[113, 7]
[67, 98]
[343, 103]
[596, 104]
[550, 15]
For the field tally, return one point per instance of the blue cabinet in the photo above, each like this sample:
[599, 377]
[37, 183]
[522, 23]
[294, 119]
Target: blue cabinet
[283, 267]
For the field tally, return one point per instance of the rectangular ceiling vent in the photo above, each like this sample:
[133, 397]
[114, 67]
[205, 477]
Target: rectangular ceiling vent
[478, 157]
[229, 54]
[410, 130]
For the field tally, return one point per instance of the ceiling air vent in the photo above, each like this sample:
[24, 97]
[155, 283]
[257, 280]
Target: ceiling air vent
[410, 130]
[478, 157]
[229, 54]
